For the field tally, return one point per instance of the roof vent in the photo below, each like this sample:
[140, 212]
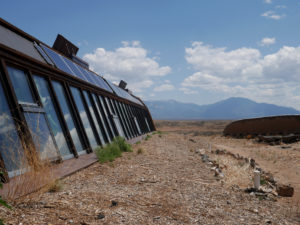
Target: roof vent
[68, 49]
[64, 46]
[122, 84]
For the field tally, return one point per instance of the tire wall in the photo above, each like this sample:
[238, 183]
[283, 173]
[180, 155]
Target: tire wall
[275, 125]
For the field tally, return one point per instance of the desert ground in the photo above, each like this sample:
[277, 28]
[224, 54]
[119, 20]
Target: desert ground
[167, 180]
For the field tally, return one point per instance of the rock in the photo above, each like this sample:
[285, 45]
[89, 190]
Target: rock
[205, 158]
[192, 140]
[100, 216]
[113, 203]
[71, 221]
[200, 151]
[252, 163]
[285, 190]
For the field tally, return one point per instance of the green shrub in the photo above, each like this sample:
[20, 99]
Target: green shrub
[113, 150]
[123, 145]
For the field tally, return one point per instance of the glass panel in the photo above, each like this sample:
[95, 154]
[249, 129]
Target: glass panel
[68, 116]
[20, 85]
[84, 117]
[44, 92]
[10, 146]
[121, 118]
[137, 125]
[118, 126]
[41, 135]
[101, 117]
[91, 109]
[108, 116]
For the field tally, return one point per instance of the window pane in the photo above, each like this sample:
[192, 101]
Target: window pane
[54, 122]
[41, 135]
[119, 127]
[91, 109]
[101, 117]
[84, 117]
[20, 85]
[10, 146]
[68, 116]
[107, 115]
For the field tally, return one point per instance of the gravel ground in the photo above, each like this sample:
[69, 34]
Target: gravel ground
[165, 184]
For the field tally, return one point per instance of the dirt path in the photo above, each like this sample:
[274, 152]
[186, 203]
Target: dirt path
[166, 184]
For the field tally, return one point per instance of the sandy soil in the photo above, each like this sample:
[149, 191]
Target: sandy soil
[167, 183]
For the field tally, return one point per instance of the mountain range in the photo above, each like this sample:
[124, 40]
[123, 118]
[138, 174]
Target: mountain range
[231, 109]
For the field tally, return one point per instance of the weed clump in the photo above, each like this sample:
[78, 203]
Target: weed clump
[113, 150]
[147, 137]
[56, 186]
[140, 151]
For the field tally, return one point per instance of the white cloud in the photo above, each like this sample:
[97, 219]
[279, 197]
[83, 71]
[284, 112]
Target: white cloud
[267, 41]
[129, 62]
[245, 72]
[268, 1]
[164, 87]
[280, 6]
[272, 15]
[188, 91]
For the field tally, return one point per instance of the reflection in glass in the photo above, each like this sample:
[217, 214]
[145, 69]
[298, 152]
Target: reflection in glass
[41, 135]
[55, 125]
[20, 85]
[67, 115]
[118, 126]
[147, 124]
[107, 115]
[10, 146]
[84, 117]
[91, 109]
[101, 117]
[137, 125]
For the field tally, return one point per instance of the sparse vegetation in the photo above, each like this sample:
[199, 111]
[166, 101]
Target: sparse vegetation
[113, 150]
[56, 186]
[138, 142]
[140, 151]
[3, 202]
[147, 137]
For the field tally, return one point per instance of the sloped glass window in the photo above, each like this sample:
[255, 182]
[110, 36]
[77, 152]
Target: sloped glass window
[101, 117]
[91, 109]
[84, 117]
[107, 115]
[44, 92]
[19, 81]
[41, 135]
[34, 115]
[68, 116]
[11, 149]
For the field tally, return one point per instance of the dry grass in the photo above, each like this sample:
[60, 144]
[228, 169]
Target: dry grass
[33, 168]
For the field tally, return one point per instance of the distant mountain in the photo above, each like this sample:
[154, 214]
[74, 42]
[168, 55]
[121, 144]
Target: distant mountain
[232, 108]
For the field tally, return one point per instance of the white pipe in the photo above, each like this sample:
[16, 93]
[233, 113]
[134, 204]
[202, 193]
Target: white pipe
[256, 179]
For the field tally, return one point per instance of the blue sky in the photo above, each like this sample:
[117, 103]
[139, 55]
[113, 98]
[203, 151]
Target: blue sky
[190, 51]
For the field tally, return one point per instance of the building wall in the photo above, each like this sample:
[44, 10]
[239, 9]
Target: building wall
[55, 109]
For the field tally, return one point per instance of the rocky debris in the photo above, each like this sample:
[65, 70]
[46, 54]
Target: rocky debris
[285, 190]
[192, 140]
[278, 139]
[113, 203]
[186, 192]
[268, 182]
[100, 216]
